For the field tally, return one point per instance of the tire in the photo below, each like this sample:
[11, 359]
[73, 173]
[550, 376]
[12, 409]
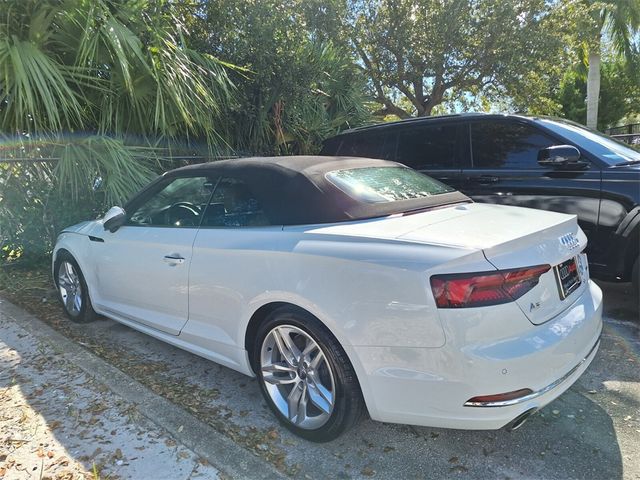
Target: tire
[72, 290]
[322, 388]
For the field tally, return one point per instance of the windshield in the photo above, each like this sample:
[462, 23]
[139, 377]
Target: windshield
[604, 147]
[386, 184]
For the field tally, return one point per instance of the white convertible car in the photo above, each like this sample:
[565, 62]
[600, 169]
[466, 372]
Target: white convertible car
[346, 285]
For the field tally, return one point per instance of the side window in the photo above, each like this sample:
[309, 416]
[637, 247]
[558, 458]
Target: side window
[370, 146]
[428, 147]
[510, 145]
[180, 203]
[233, 205]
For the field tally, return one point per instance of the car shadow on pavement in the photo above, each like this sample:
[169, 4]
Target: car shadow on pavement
[621, 302]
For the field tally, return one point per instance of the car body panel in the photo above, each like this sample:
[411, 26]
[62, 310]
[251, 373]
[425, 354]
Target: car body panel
[135, 280]
[475, 362]
[384, 295]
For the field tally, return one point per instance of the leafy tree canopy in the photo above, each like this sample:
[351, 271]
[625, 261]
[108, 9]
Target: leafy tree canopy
[298, 85]
[429, 51]
[619, 94]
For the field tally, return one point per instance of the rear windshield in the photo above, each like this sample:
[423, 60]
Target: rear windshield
[386, 184]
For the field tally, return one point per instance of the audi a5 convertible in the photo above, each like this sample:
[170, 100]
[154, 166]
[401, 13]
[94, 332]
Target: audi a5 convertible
[346, 285]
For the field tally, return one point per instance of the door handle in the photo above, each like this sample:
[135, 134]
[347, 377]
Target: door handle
[485, 179]
[174, 259]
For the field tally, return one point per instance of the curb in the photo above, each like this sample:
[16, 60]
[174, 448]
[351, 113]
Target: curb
[217, 449]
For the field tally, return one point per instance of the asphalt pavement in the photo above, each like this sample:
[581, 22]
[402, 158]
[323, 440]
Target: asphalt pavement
[194, 418]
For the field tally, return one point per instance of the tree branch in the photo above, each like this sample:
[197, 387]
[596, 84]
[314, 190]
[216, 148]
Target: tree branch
[389, 107]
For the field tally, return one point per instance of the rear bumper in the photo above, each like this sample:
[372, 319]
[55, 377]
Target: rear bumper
[483, 356]
[541, 392]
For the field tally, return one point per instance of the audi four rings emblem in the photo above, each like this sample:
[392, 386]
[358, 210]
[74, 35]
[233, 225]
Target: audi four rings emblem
[570, 241]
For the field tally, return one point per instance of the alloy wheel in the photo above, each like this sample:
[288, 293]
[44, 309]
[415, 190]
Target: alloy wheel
[70, 288]
[297, 376]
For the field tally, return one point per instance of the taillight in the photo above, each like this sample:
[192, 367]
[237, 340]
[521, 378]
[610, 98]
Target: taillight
[464, 290]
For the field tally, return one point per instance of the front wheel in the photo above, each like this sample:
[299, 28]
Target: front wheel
[305, 376]
[72, 290]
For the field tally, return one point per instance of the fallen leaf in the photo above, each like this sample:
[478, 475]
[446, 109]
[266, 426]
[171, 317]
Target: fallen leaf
[459, 469]
[54, 424]
[368, 472]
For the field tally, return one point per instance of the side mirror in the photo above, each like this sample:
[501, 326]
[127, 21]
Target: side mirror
[114, 219]
[561, 156]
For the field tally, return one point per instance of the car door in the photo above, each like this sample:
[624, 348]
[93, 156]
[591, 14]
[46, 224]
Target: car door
[143, 267]
[432, 148]
[503, 168]
[229, 266]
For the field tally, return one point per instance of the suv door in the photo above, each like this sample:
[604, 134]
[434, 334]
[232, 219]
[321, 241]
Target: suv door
[434, 149]
[142, 268]
[503, 168]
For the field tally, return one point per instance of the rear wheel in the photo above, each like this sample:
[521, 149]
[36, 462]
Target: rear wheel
[72, 290]
[305, 376]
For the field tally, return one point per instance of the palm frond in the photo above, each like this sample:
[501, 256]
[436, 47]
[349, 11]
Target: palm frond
[35, 89]
[124, 168]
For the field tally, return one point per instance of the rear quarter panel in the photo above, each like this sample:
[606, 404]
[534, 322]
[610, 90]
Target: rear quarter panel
[366, 292]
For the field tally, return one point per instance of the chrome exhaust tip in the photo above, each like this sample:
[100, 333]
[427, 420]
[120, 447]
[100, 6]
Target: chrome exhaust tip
[517, 422]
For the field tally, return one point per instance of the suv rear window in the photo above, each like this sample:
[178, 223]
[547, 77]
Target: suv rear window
[370, 146]
[428, 147]
[386, 184]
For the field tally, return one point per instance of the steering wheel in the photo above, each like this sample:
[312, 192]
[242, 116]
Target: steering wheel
[181, 213]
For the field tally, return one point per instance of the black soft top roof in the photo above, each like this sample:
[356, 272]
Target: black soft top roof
[294, 190]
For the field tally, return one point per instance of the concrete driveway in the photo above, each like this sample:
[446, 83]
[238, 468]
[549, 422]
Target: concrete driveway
[592, 431]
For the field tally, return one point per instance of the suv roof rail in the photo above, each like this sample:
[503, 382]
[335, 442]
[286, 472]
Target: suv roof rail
[424, 120]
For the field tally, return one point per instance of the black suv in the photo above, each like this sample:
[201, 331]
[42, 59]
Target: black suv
[544, 163]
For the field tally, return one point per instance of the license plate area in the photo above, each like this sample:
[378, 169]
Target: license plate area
[568, 277]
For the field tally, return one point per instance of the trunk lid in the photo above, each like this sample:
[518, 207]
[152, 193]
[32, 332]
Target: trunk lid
[514, 237]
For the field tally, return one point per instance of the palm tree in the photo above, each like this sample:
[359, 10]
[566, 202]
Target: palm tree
[94, 89]
[114, 68]
[620, 21]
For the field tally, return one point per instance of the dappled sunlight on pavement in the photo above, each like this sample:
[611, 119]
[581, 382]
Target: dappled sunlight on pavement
[57, 422]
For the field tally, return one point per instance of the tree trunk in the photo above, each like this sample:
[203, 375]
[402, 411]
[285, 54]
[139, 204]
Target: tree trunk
[593, 88]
